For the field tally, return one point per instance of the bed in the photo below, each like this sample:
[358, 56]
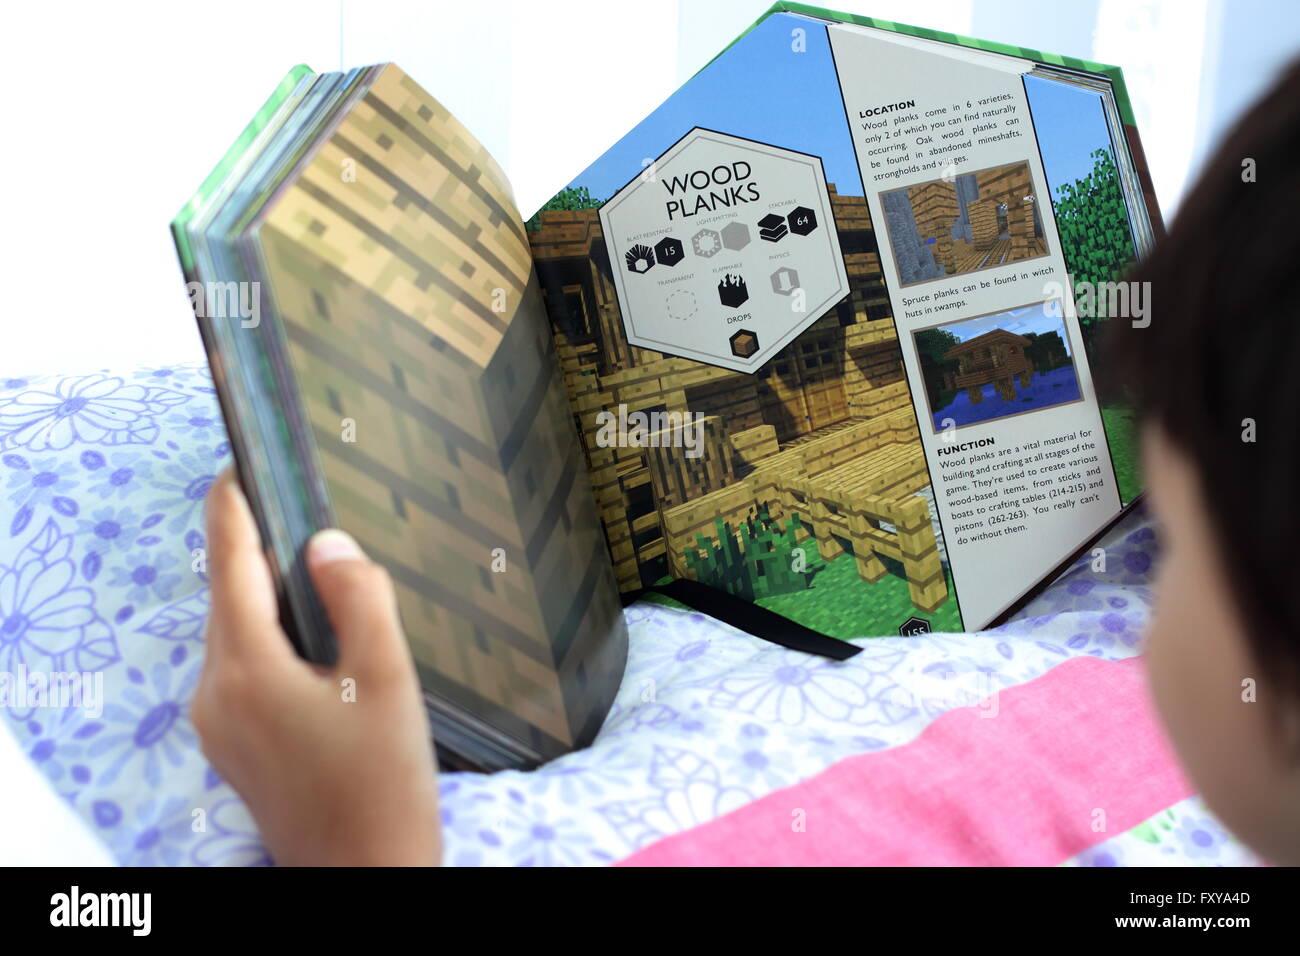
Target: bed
[1032, 744]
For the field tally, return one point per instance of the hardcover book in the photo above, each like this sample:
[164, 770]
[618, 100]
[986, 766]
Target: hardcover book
[819, 335]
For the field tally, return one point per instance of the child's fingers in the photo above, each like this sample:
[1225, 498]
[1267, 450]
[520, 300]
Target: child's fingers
[358, 596]
[244, 617]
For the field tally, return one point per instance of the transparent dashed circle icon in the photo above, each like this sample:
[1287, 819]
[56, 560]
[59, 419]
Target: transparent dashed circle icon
[681, 304]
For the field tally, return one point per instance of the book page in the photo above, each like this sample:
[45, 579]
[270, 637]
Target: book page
[811, 316]
[416, 339]
[994, 355]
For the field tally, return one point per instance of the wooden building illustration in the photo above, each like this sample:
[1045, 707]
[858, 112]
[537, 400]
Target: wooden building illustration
[1003, 224]
[994, 358]
[935, 209]
[824, 430]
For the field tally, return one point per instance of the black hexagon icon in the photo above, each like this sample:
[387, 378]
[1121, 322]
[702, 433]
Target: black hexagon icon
[743, 343]
[802, 220]
[914, 626]
[732, 291]
[772, 228]
[669, 251]
[639, 259]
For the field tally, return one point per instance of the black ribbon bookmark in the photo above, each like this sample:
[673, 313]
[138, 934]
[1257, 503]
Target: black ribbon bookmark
[750, 618]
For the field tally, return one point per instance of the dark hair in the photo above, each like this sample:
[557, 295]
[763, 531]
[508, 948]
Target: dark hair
[1223, 347]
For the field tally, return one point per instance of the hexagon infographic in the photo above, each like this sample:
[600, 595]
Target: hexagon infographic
[732, 291]
[706, 243]
[914, 626]
[784, 281]
[735, 235]
[669, 251]
[801, 220]
[696, 284]
[772, 228]
[743, 343]
[639, 259]
[681, 304]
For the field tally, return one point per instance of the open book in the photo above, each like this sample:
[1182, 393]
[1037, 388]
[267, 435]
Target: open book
[819, 334]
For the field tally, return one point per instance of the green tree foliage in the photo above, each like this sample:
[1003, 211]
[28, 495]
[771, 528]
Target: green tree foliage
[1046, 351]
[931, 344]
[1095, 236]
[758, 563]
[570, 197]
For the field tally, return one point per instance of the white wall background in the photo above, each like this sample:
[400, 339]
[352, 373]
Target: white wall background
[117, 111]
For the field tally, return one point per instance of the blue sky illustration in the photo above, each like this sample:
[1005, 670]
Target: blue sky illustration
[763, 90]
[759, 89]
[1070, 124]
[1031, 318]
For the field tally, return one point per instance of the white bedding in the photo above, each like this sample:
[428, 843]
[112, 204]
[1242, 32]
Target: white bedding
[103, 479]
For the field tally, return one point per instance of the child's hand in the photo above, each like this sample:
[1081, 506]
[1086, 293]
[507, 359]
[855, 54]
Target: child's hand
[327, 780]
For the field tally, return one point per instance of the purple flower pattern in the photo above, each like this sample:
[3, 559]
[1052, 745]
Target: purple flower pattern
[102, 478]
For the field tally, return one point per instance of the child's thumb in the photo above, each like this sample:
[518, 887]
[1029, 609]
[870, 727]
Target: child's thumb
[358, 596]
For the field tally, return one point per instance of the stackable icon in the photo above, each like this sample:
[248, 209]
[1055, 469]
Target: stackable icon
[772, 228]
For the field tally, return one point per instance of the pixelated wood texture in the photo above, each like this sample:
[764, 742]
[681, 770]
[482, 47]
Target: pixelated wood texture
[856, 482]
[995, 358]
[1003, 225]
[983, 223]
[414, 319]
[680, 471]
[934, 207]
[1013, 186]
[754, 444]
[834, 397]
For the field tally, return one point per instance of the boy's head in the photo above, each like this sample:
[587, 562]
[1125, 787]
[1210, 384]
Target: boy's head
[1216, 378]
